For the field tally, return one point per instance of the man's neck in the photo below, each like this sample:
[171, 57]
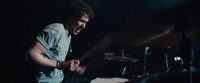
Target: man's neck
[67, 28]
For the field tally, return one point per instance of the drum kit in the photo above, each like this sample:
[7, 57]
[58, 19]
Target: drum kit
[162, 32]
[157, 36]
[121, 62]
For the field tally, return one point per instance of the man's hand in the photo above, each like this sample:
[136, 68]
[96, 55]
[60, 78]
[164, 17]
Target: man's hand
[81, 70]
[72, 65]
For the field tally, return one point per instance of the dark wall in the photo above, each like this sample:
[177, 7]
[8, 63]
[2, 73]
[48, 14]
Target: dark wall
[20, 24]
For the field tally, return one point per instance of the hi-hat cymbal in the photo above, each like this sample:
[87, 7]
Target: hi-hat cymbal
[110, 54]
[122, 59]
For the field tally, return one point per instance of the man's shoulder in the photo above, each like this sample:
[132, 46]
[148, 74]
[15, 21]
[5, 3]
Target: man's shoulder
[56, 26]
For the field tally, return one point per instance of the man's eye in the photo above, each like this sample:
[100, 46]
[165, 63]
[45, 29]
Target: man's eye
[82, 20]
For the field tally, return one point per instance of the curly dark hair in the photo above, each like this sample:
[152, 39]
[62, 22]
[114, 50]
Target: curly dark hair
[75, 9]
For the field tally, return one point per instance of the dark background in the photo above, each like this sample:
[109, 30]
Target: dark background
[22, 20]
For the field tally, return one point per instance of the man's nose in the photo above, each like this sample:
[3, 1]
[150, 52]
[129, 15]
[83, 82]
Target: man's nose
[83, 25]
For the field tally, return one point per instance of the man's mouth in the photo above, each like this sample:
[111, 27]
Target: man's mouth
[77, 30]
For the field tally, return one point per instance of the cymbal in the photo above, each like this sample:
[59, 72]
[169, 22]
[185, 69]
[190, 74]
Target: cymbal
[110, 54]
[122, 59]
[154, 35]
[161, 29]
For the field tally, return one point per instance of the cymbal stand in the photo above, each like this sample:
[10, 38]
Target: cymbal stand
[145, 58]
[166, 61]
[122, 51]
[185, 49]
[127, 66]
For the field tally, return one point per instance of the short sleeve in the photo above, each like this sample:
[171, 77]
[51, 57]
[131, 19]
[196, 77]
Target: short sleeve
[48, 37]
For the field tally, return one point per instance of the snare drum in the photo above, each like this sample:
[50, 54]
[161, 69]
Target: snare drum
[109, 80]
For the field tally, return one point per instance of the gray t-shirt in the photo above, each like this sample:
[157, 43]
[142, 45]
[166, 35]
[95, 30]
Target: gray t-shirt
[55, 39]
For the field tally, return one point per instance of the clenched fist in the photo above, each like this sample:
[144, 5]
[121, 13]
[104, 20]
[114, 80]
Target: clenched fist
[80, 70]
[72, 65]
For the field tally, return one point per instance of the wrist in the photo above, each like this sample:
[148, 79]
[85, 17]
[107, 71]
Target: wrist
[59, 65]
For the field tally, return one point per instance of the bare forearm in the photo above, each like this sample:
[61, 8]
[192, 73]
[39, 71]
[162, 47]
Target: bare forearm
[39, 59]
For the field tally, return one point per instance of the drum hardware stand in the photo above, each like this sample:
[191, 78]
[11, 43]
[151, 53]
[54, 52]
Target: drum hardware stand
[127, 66]
[145, 58]
[122, 51]
[185, 49]
[166, 60]
[123, 72]
[122, 56]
